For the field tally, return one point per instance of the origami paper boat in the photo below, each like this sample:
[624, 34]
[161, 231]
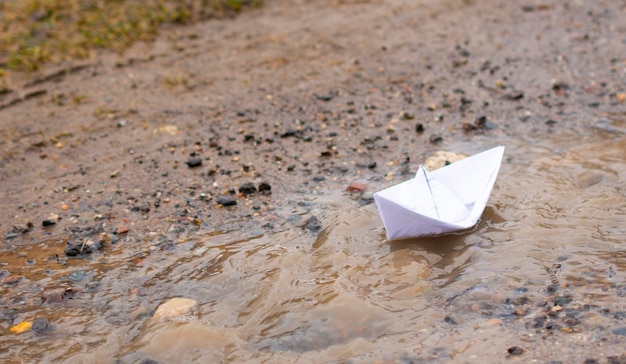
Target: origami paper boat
[448, 199]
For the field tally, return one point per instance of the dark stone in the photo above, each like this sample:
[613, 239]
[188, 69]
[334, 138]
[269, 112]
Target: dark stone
[449, 320]
[620, 331]
[371, 165]
[419, 128]
[265, 188]
[226, 200]
[8, 315]
[324, 97]
[291, 133]
[469, 127]
[48, 222]
[553, 326]
[319, 178]
[563, 300]
[515, 350]
[194, 162]
[149, 361]
[247, 188]
[552, 288]
[514, 96]
[560, 87]
[313, 224]
[74, 250]
[481, 122]
[616, 359]
[539, 321]
[366, 200]
[435, 138]
[550, 122]
[571, 321]
[407, 115]
[41, 324]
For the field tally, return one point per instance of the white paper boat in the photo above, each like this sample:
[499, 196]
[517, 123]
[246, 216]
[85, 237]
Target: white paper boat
[448, 199]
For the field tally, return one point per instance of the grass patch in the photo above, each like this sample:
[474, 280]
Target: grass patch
[35, 32]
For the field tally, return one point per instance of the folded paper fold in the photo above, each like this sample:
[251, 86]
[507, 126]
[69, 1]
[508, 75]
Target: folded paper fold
[449, 199]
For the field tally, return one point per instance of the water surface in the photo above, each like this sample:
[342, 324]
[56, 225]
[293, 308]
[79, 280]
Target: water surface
[543, 270]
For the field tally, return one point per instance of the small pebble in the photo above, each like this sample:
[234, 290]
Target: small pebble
[247, 188]
[407, 115]
[515, 350]
[41, 324]
[356, 186]
[265, 188]
[74, 250]
[76, 276]
[620, 331]
[313, 224]
[175, 307]
[514, 96]
[226, 200]
[435, 138]
[367, 198]
[194, 162]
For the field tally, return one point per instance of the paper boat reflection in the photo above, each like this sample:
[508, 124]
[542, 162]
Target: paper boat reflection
[448, 199]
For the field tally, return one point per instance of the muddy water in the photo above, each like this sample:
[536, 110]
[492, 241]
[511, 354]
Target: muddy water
[543, 271]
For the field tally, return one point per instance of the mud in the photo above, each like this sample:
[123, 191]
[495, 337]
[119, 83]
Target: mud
[192, 166]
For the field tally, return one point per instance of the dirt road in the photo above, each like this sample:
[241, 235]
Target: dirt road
[297, 99]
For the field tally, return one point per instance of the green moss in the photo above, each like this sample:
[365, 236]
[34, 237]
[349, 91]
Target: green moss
[34, 32]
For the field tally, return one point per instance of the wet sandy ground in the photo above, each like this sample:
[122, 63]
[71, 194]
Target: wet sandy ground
[306, 97]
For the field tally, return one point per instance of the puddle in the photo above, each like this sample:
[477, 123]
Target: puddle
[544, 265]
